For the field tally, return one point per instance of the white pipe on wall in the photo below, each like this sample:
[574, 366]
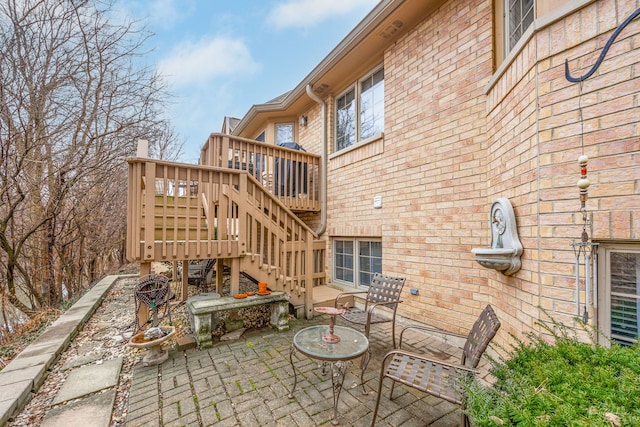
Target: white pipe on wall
[323, 162]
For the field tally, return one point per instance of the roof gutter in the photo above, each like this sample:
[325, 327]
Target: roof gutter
[323, 162]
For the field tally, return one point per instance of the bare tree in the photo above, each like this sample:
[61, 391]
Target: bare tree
[74, 98]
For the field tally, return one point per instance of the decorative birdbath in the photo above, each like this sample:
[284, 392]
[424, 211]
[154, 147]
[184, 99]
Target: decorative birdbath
[332, 312]
[155, 353]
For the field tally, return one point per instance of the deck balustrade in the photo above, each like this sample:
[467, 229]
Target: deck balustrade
[290, 175]
[179, 211]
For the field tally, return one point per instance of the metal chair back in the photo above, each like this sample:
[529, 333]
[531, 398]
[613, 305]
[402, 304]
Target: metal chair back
[385, 289]
[483, 331]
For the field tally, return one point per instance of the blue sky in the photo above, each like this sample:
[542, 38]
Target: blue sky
[220, 57]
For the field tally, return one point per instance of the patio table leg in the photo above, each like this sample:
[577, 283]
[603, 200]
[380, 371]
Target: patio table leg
[338, 371]
[364, 362]
[292, 351]
[337, 355]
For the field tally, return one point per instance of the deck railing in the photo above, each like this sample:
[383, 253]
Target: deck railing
[178, 211]
[290, 175]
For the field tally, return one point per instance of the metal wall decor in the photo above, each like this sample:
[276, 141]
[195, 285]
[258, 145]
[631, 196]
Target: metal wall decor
[506, 249]
[615, 34]
[585, 249]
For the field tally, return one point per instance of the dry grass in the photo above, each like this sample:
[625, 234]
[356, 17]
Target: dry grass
[13, 342]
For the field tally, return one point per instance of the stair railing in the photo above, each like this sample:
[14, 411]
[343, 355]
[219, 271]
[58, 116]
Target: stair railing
[178, 211]
[290, 175]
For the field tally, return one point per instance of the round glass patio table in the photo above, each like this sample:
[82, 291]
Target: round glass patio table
[352, 344]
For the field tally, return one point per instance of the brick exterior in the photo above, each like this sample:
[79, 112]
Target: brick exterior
[453, 144]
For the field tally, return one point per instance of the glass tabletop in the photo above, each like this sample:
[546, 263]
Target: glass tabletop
[352, 343]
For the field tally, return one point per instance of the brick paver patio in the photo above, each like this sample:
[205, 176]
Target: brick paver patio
[246, 383]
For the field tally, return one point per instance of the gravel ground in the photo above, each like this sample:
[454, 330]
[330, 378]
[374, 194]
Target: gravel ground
[105, 337]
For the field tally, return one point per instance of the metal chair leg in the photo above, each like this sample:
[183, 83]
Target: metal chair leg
[393, 330]
[375, 411]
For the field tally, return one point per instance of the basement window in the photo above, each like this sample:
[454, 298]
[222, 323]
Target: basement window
[619, 300]
[355, 261]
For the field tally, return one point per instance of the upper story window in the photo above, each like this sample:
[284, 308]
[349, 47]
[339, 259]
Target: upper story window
[360, 110]
[284, 133]
[261, 137]
[519, 16]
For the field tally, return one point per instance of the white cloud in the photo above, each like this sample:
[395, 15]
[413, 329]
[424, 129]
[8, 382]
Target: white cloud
[199, 63]
[307, 13]
[168, 13]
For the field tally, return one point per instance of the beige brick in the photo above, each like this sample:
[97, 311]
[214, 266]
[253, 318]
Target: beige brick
[449, 150]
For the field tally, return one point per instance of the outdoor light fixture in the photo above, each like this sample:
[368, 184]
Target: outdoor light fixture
[303, 121]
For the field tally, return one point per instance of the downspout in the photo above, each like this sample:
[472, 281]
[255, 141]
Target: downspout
[323, 162]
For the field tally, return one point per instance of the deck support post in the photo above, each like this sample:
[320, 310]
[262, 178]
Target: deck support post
[235, 276]
[185, 280]
[219, 275]
[143, 310]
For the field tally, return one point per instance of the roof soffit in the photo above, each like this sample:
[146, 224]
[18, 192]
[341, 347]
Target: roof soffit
[362, 49]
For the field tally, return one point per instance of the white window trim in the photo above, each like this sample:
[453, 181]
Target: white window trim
[285, 123]
[356, 87]
[538, 25]
[604, 288]
[506, 30]
[356, 261]
[357, 145]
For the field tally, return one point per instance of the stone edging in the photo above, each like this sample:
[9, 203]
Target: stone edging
[28, 370]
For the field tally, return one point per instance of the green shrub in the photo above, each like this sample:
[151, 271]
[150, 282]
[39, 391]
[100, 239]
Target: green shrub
[563, 383]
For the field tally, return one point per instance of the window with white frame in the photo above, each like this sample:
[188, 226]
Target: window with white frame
[355, 261]
[284, 133]
[372, 105]
[619, 299]
[360, 110]
[519, 16]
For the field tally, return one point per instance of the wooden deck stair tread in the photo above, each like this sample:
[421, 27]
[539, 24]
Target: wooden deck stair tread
[325, 295]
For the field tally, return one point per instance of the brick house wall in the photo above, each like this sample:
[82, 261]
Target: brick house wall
[533, 105]
[310, 138]
[435, 135]
[458, 136]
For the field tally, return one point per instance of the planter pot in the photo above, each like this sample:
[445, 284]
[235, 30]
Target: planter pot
[262, 287]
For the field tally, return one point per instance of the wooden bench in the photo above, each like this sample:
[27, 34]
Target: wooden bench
[201, 309]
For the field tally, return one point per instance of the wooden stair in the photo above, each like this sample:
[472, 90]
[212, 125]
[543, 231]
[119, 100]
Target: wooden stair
[226, 214]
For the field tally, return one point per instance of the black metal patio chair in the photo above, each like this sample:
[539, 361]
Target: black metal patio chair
[199, 273]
